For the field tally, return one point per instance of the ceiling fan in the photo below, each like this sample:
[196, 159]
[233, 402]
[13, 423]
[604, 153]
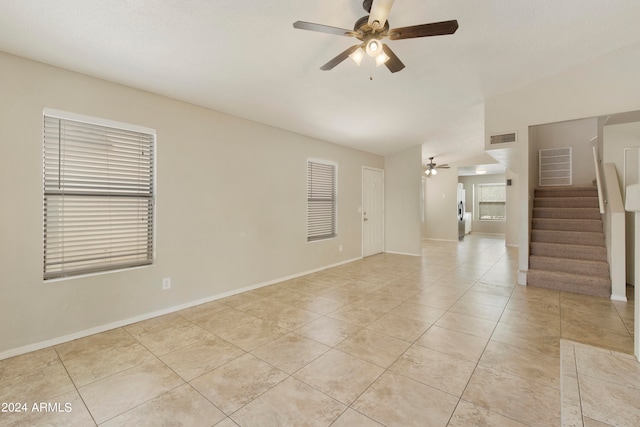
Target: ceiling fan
[372, 29]
[432, 168]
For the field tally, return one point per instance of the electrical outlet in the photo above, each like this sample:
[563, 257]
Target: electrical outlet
[166, 283]
[340, 248]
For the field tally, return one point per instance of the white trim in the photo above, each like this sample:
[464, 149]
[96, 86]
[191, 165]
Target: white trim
[401, 253]
[60, 114]
[522, 277]
[440, 240]
[120, 323]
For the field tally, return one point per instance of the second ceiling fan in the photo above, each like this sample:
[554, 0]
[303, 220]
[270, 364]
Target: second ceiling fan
[372, 29]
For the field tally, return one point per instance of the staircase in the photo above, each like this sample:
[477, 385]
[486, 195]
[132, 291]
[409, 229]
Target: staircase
[568, 249]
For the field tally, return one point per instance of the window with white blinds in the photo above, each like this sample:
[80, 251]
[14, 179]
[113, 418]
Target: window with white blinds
[98, 196]
[321, 200]
[491, 202]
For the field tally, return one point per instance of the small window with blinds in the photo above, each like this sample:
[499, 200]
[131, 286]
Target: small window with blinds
[321, 200]
[98, 195]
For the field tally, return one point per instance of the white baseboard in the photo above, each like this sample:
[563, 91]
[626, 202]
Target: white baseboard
[522, 277]
[401, 253]
[120, 323]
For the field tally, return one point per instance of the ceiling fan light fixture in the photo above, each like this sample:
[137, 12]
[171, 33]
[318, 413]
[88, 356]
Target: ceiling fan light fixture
[357, 55]
[374, 47]
[434, 171]
[428, 172]
[381, 59]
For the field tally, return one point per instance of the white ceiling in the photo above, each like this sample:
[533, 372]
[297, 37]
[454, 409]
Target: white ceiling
[243, 57]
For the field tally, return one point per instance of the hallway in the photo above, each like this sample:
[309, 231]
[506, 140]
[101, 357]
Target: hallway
[446, 339]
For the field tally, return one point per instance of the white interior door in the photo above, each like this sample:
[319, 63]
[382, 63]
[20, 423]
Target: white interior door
[372, 211]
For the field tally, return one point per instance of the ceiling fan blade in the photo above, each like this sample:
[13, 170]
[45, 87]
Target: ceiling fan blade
[380, 11]
[445, 166]
[310, 26]
[393, 64]
[424, 30]
[338, 59]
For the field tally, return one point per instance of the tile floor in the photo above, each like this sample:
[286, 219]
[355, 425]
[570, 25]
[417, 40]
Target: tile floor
[446, 339]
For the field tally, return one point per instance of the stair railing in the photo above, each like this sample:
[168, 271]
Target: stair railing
[601, 200]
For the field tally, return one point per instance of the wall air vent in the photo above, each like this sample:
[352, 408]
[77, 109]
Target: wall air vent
[505, 138]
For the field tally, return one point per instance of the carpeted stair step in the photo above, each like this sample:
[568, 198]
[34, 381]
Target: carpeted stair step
[565, 202]
[590, 285]
[568, 237]
[593, 225]
[567, 213]
[555, 250]
[566, 192]
[567, 265]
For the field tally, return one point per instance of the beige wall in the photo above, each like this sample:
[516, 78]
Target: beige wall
[441, 205]
[490, 227]
[578, 135]
[615, 139]
[403, 181]
[231, 206]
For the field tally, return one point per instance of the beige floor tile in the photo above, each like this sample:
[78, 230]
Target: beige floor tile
[435, 301]
[379, 349]
[290, 403]
[513, 397]
[529, 337]
[318, 304]
[600, 317]
[290, 352]
[453, 343]
[602, 364]
[156, 324]
[198, 358]
[28, 363]
[67, 410]
[541, 320]
[227, 422]
[399, 327]
[481, 311]
[485, 298]
[619, 340]
[238, 382]
[99, 356]
[493, 288]
[241, 299]
[37, 386]
[418, 312]
[589, 422]
[394, 400]
[289, 317]
[165, 341]
[111, 396]
[466, 324]
[254, 334]
[571, 415]
[327, 331]
[526, 364]
[202, 310]
[224, 320]
[358, 315]
[447, 289]
[467, 415]
[609, 402]
[446, 373]
[379, 302]
[351, 418]
[182, 406]
[340, 375]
